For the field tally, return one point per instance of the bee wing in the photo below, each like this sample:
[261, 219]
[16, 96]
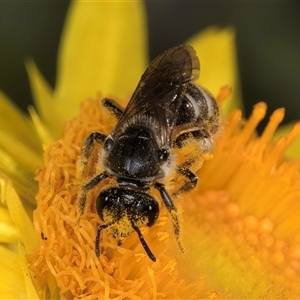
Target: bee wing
[161, 88]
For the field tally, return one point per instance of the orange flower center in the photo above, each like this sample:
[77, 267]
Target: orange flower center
[65, 255]
[240, 226]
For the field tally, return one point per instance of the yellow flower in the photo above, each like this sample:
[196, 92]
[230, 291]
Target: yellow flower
[240, 226]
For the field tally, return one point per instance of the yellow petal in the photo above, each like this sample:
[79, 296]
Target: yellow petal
[30, 289]
[217, 53]
[20, 217]
[294, 149]
[103, 49]
[43, 98]
[45, 136]
[22, 180]
[21, 152]
[14, 123]
[8, 231]
[12, 284]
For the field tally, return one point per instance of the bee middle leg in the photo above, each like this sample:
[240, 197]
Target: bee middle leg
[89, 143]
[196, 134]
[87, 148]
[192, 180]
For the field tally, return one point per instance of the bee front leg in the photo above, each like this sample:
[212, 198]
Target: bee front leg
[173, 211]
[84, 192]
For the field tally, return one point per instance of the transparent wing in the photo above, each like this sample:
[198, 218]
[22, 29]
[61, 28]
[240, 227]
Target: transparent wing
[161, 88]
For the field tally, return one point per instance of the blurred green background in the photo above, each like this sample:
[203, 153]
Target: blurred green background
[268, 43]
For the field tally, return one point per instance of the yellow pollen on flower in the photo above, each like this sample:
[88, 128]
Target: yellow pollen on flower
[247, 206]
[64, 263]
[277, 262]
[240, 227]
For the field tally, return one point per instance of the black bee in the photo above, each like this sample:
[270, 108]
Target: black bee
[166, 111]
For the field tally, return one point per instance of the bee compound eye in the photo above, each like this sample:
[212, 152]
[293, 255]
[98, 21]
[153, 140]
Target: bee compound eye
[163, 155]
[148, 208]
[108, 201]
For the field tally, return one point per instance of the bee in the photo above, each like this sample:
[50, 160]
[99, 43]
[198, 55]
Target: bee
[166, 111]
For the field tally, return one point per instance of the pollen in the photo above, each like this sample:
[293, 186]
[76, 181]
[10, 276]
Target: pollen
[248, 203]
[240, 226]
[64, 264]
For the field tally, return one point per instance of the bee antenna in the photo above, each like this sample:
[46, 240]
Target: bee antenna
[97, 240]
[143, 242]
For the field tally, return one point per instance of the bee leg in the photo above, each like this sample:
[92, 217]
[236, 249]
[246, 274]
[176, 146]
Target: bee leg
[113, 107]
[90, 142]
[172, 209]
[143, 242]
[85, 189]
[192, 179]
[88, 147]
[195, 134]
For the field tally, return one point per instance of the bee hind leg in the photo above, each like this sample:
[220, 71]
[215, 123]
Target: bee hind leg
[113, 107]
